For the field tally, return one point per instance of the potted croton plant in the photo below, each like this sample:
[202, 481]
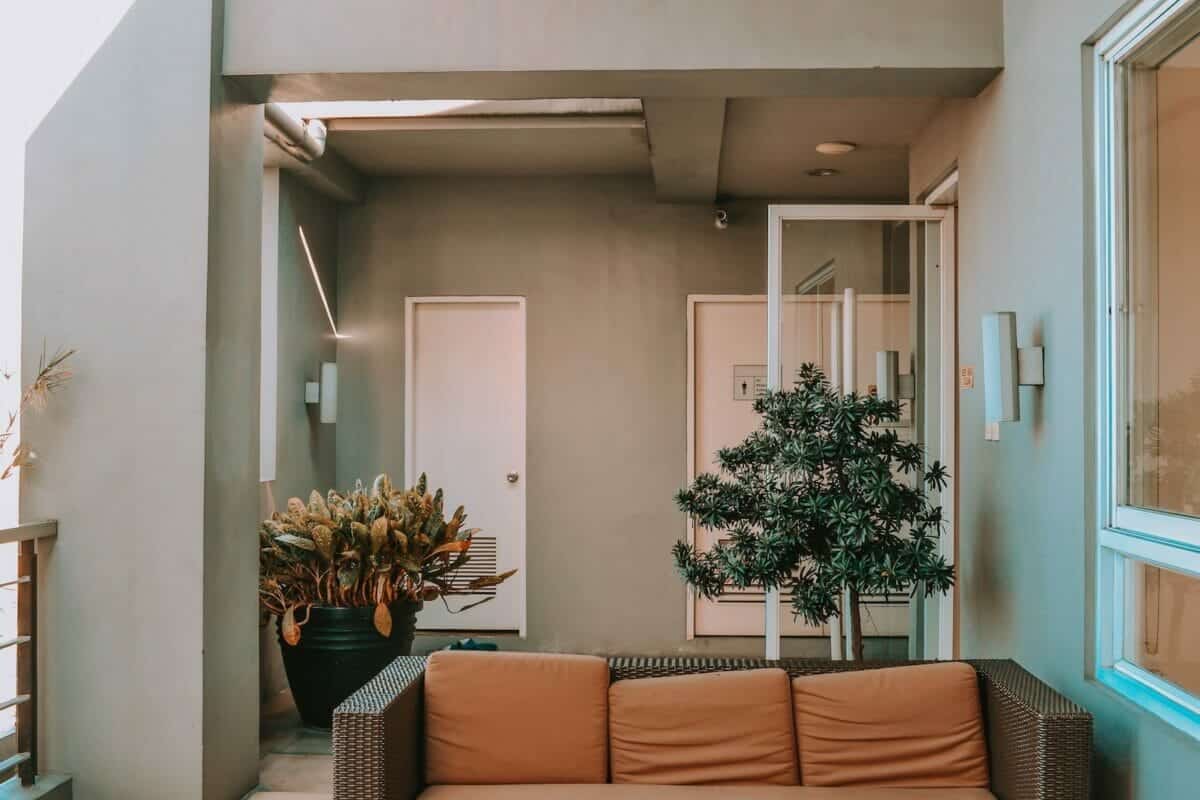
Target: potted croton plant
[346, 574]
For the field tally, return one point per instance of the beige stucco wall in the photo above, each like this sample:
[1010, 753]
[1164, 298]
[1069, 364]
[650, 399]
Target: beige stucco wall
[615, 48]
[606, 272]
[304, 446]
[305, 456]
[1025, 502]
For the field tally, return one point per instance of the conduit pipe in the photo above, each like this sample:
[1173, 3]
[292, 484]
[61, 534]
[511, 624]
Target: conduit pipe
[305, 141]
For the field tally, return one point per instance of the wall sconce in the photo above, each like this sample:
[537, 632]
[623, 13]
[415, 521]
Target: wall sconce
[889, 383]
[1006, 367]
[324, 393]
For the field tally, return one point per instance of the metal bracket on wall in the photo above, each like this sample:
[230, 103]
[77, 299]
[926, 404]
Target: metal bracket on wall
[1031, 366]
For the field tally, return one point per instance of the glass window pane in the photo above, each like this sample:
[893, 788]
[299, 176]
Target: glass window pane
[1162, 615]
[1162, 331]
[879, 260]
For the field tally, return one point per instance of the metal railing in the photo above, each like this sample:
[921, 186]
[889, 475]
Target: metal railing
[26, 537]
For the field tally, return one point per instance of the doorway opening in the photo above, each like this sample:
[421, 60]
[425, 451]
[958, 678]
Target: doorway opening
[865, 293]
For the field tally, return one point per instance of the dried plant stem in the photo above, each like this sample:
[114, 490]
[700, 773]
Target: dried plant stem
[51, 376]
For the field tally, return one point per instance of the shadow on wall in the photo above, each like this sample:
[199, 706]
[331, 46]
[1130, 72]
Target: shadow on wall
[1037, 398]
[987, 579]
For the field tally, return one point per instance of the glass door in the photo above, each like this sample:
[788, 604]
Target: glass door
[860, 292]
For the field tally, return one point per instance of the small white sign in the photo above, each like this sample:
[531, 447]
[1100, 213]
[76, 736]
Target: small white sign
[749, 381]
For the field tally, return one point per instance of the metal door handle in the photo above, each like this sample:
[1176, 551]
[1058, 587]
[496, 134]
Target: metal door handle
[513, 477]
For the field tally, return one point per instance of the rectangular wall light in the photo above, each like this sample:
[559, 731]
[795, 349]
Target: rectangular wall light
[1007, 367]
[329, 380]
[324, 392]
[1000, 400]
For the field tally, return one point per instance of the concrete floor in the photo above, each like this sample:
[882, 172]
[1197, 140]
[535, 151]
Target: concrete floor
[296, 763]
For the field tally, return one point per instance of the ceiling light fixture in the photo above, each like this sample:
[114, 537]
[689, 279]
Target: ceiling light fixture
[836, 148]
[823, 172]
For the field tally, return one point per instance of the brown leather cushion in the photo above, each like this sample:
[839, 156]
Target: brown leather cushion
[914, 727]
[630, 791]
[715, 728]
[515, 718]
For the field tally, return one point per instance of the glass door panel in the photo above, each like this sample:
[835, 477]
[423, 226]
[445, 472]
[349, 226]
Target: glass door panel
[889, 257]
[872, 272]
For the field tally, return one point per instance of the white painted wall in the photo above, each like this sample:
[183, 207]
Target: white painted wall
[56, 37]
[149, 460]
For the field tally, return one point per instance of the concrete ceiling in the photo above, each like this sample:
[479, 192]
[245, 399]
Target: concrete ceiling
[770, 144]
[601, 146]
[697, 150]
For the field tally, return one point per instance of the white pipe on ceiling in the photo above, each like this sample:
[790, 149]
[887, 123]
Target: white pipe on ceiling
[305, 141]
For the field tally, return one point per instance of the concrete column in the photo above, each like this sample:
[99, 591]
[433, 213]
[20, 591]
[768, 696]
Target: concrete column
[141, 249]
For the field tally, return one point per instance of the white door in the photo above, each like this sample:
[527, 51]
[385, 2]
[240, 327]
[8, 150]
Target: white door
[465, 428]
[728, 368]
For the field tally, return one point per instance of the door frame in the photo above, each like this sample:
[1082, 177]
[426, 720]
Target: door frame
[410, 303]
[947, 634]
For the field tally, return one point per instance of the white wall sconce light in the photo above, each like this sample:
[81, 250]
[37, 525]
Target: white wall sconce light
[324, 393]
[1006, 368]
[889, 383]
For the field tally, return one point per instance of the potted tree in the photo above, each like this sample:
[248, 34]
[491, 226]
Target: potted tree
[346, 576]
[823, 498]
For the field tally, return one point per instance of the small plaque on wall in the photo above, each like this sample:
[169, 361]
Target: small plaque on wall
[749, 381]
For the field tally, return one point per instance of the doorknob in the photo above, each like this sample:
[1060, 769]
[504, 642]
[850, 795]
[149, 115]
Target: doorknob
[513, 477]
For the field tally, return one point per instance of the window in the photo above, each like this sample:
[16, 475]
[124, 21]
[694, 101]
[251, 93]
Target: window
[1148, 253]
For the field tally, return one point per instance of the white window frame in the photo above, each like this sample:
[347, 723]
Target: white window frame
[1162, 539]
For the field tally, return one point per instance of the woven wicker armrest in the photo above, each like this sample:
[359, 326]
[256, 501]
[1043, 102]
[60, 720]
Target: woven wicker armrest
[378, 737]
[1039, 742]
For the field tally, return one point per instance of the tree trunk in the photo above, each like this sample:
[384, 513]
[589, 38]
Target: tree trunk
[856, 640]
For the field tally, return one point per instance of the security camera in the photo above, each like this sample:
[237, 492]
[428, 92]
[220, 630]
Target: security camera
[721, 219]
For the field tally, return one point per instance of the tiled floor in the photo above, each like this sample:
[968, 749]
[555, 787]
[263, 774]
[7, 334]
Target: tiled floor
[296, 763]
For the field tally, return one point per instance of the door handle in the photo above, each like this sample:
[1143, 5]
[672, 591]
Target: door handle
[512, 477]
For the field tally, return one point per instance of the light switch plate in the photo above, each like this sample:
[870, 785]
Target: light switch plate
[991, 431]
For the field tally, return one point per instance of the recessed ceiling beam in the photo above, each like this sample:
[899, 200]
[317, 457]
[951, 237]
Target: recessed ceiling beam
[329, 174]
[464, 123]
[485, 49]
[685, 147]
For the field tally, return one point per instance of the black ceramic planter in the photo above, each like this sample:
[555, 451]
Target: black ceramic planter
[338, 652]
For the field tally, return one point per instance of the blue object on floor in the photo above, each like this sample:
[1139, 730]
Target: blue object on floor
[471, 644]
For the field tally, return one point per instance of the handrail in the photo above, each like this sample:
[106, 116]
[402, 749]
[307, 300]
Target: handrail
[29, 531]
[25, 641]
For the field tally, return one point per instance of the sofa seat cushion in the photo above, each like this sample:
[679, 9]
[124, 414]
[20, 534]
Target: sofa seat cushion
[715, 728]
[918, 727]
[633, 791]
[515, 718]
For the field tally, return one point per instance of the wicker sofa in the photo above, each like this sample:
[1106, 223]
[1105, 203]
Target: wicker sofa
[1038, 743]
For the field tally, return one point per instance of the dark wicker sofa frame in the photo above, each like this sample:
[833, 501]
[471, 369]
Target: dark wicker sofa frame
[1039, 742]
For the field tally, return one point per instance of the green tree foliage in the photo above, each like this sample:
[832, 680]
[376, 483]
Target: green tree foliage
[823, 497]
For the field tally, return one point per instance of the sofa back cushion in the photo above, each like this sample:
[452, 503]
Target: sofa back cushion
[515, 718]
[715, 728]
[915, 727]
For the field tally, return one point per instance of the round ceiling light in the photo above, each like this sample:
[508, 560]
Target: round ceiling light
[836, 148]
[823, 172]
